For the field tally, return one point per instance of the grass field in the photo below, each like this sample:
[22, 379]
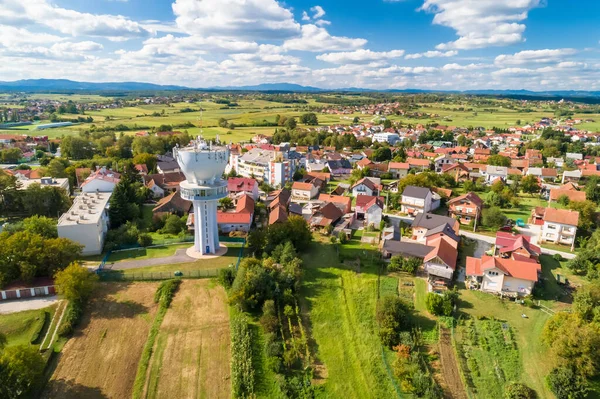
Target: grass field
[191, 354]
[19, 327]
[101, 359]
[340, 300]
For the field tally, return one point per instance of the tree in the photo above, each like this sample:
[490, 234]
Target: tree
[56, 168]
[149, 160]
[20, 368]
[123, 203]
[309, 119]
[48, 201]
[592, 190]
[382, 154]
[530, 184]
[565, 383]
[226, 203]
[392, 316]
[291, 123]
[11, 155]
[356, 120]
[563, 200]
[75, 282]
[498, 160]
[41, 225]
[222, 122]
[518, 390]
[8, 192]
[76, 147]
[387, 124]
[441, 305]
[493, 218]
[587, 214]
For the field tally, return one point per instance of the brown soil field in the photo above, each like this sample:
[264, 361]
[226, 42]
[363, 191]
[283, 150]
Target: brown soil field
[454, 388]
[101, 359]
[192, 351]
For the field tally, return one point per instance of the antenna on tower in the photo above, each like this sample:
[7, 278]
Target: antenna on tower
[201, 119]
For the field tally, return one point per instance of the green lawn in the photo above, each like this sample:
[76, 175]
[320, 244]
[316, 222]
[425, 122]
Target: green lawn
[146, 253]
[341, 312]
[19, 327]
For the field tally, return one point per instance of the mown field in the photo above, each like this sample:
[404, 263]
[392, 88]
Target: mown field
[101, 358]
[191, 356]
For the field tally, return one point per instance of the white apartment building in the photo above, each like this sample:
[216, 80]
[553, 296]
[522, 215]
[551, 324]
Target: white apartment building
[86, 222]
[269, 166]
[61, 182]
[390, 138]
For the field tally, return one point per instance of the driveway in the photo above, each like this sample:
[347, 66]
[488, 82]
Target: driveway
[179, 257]
[19, 305]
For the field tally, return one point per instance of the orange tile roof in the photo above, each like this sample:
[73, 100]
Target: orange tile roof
[561, 216]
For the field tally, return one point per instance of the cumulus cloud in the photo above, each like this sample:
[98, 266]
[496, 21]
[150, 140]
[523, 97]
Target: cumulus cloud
[481, 23]
[315, 38]
[360, 56]
[534, 56]
[71, 22]
[318, 12]
[432, 54]
[247, 19]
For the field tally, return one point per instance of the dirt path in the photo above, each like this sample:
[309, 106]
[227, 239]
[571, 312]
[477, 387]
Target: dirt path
[101, 359]
[449, 367]
[179, 257]
[192, 351]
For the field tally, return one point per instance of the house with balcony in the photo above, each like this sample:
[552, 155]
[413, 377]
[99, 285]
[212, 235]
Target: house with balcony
[370, 209]
[466, 208]
[559, 226]
[418, 199]
[493, 173]
[304, 192]
[443, 161]
[366, 186]
[398, 169]
[506, 277]
[516, 246]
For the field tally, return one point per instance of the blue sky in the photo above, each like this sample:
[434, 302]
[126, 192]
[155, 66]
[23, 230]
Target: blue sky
[429, 44]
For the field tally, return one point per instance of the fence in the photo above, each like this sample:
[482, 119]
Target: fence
[154, 276]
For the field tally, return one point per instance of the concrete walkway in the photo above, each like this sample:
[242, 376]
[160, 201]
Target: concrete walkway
[179, 257]
[19, 305]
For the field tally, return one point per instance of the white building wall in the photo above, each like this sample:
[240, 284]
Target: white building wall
[100, 185]
[91, 236]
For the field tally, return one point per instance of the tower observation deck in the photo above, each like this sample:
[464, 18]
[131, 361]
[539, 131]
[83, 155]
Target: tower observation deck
[203, 165]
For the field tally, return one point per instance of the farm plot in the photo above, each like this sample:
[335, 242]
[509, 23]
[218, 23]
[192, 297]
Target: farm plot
[191, 354]
[489, 356]
[104, 352]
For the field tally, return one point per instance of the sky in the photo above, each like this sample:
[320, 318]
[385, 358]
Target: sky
[377, 44]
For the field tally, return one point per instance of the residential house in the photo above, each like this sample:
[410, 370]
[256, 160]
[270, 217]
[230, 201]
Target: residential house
[167, 182]
[172, 204]
[440, 262]
[167, 164]
[102, 180]
[239, 219]
[303, 192]
[420, 165]
[427, 224]
[141, 168]
[516, 246]
[506, 277]
[327, 214]
[342, 202]
[242, 185]
[60, 182]
[466, 208]
[572, 194]
[405, 249]
[157, 191]
[398, 170]
[364, 163]
[493, 173]
[369, 208]
[418, 199]
[442, 161]
[458, 171]
[366, 186]
[339, 167]
[571, 176]
[542, 173]
[560, 226]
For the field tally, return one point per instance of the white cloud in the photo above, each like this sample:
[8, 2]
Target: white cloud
[481, 23]
[534, 56]
[432, 54]
[305, 16]
[314, 38]
[359, 56]
[247, 19]
[458, 67]
[74, 23]
[318, 12]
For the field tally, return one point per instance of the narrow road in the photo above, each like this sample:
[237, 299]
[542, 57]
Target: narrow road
[19, 305]
[179, 257]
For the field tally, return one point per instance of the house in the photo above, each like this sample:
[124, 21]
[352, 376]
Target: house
[86, 222]
[303, 192]
[242, 185]
[167, 164]
[342, 202]
[572, 195]
[560, 226]
[364, 163]
[419, 165]
[102, 180]
[81, 174]
[440, 262]
[542, 173]
[516, 246]
[341, 189]
[60, 182]
[427, 224]
[466, 208]
[339, 167]
[571, 176]
[418, 199]
[493, 173]
[508, 277]
[441, 161]
[369, 208]
[405, 249]
[398, 169]
[327, 214]
[458, 171]
[141, 168]
[366, 186]
[172, 204]
[238, 220]
[157, 191]
[278, 214]
[167, 182]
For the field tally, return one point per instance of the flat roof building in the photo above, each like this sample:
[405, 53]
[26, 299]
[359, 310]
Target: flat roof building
[86, 222]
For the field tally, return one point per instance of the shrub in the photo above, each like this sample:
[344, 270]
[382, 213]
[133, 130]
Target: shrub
[242, 372]
[227, 276]
[566, 384]
[145, 240]
[558, 257]
[269, 319]
[441, 305]
[517, 390]
[165, 292]
[73, 312]
[493, 217]
[40, 322]
[392, 316]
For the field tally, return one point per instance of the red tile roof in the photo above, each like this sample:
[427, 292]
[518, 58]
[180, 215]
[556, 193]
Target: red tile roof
[573, 195]
[238, 184]
[444, 249]
[561, 216]
[518, 269]
[511, 242]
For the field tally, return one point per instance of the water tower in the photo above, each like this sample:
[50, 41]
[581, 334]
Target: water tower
[203, 165]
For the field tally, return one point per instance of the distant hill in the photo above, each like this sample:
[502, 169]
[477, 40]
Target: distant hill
[65, 85]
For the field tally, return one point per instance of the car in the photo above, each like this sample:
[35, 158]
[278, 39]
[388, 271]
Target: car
[520, 223]
[506, 227]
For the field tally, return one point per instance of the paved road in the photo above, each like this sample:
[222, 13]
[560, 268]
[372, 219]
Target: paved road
[492, 240]
[19, 305]
[179, 257]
